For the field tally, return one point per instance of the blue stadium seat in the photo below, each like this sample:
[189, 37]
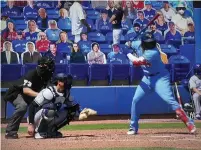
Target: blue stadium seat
[119, 72]
[106, 48]
[70, 36]
[98, 72]
[175, 43]
[92, 14]
[7, 75]
[20, 24]
[52, 13]
[85, 46]
[178, 59]
[180, 71]
[19, 46]
[136, 73]
[99, 8]
[79, 71]
[29, 66]
[169, 49]
[96, 37]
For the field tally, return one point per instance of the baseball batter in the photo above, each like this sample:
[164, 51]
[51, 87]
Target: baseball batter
[156, 79]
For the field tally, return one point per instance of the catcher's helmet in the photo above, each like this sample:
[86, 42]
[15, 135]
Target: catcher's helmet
[66, 79]
[148, 41]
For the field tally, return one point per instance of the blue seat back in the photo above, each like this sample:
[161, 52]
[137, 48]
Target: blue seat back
[11, 72]
[79, 71]
[106, 48]
[92, 14]
[178, 59]
[175, 43]
[96, 36]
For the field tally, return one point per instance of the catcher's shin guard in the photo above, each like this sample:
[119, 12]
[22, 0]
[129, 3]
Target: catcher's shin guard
[59, 121]
[187, 121]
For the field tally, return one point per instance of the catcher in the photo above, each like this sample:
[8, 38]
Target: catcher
[53, 108]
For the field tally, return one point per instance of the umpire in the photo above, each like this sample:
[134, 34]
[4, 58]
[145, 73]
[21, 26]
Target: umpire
[20, 96]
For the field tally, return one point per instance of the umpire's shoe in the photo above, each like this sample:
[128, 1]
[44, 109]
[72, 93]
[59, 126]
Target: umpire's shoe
[11, 136]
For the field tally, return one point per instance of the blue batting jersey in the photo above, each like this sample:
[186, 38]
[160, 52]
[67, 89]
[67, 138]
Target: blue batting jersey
[153, 57]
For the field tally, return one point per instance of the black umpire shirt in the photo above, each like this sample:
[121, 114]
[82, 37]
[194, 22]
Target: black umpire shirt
[119, 14]
[33, 81]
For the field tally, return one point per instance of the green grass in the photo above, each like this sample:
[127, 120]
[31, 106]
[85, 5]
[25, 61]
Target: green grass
[116, 126]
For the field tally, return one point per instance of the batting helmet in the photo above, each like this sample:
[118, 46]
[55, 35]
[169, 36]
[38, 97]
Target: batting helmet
[148, 41]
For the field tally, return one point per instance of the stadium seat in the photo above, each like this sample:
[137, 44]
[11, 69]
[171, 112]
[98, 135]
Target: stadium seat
[96, 37]
[20, 24]
[52, 11]
[180, 71]
[98, 72]
[178, 59]
[92, 14]
[79, 71]
[119, 72]
[106, 48]
[99, 8]
[175, 43]
[19, 46]
[136, 73]
[7, 75]
[70, 36]
[168, 49]
[85, 46]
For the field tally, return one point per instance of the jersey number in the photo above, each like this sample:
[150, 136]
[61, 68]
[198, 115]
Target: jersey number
[27, 83]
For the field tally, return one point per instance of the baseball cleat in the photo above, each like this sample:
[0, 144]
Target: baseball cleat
[191, 127]
[40, 135]
[131, 132]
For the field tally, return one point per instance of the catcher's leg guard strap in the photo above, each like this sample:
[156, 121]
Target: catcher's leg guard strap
[182, 115]
[60, 120]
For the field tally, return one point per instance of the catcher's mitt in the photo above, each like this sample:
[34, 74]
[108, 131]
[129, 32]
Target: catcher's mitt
[87, 112]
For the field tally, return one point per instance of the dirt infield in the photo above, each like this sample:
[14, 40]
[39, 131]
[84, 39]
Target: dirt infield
[174, 138]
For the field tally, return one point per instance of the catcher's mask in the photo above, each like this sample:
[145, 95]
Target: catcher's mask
[46, 67]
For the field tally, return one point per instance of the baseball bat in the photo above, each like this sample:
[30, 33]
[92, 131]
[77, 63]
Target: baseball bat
[150, 22]
[178, 95]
